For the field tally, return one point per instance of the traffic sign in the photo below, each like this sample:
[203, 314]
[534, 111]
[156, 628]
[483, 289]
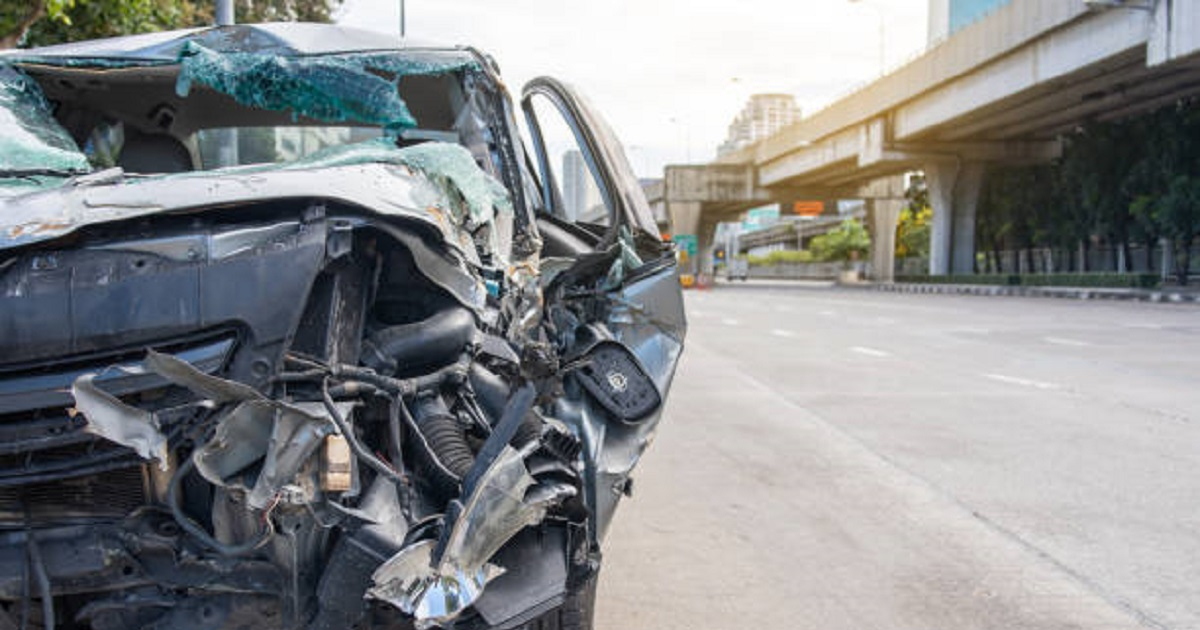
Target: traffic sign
[686, 243]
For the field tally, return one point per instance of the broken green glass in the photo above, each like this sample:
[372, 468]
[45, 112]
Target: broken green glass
[332, 88]
[442, 162]
[30, 138]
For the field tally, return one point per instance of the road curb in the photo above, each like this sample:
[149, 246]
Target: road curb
[1073, 293]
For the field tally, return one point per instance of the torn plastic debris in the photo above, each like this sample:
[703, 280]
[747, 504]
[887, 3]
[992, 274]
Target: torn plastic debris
[282, 435]
[113, 420]
[493, 514]
[627, 260]
[330, 88]
[30, 138]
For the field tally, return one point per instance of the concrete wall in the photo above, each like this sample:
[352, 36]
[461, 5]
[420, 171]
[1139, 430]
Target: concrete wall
[1010, 27]
[709, 183]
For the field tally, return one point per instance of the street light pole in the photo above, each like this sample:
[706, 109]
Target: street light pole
[402, 25]
[224, 13]
[227, 150]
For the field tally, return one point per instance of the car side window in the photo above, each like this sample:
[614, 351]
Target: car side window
[571, 186]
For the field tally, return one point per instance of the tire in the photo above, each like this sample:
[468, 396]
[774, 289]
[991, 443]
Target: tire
[575, 614]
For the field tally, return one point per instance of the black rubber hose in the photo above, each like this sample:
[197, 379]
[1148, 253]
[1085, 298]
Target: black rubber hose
[493, 392]
[490, 390]
[529, 430]
[448, 444]
[416, 347]
[355, 444]
[198, 532]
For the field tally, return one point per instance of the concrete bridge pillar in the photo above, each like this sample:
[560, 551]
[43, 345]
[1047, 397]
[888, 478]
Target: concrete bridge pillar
[954, 194]
[884, 214]
[687, 218]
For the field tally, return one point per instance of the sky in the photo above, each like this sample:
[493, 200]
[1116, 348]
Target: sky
[670, 75]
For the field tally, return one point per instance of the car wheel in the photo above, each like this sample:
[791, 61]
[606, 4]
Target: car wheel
[574, 614]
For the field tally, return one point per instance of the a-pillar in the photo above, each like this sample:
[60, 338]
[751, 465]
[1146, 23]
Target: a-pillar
[954, 195]
[884, 214]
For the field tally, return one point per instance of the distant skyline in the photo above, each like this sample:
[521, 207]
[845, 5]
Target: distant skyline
[670, 75]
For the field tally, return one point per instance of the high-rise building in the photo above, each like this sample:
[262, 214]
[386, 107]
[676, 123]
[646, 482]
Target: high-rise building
[947, 16]
[763, 115]
[581, 196]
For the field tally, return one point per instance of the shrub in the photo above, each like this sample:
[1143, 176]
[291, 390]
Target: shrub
[781, 257]
[847, 242]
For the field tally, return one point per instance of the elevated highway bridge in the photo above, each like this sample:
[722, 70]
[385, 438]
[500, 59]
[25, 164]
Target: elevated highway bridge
[1002, 90]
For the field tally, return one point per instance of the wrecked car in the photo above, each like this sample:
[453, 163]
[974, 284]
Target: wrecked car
[299, 328]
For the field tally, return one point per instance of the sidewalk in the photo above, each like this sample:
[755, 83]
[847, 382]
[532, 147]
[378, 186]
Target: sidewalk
[1190, 295]
[1178, 295]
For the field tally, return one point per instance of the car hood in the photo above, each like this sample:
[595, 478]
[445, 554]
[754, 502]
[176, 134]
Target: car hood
[435, 183]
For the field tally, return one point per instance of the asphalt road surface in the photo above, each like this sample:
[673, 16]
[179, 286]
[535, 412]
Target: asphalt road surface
[848, 459]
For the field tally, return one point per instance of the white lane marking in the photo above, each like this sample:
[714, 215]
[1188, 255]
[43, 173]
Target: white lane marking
[1024, 382]
[871, 352]
[781, 309]
[827, 313]
[787, 334]
[729, 321]
[1061, 341]
[1146, 326]
[971, 330]
[698, 313]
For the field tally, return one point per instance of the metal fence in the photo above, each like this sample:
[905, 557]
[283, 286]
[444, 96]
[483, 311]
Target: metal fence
[1054, 260]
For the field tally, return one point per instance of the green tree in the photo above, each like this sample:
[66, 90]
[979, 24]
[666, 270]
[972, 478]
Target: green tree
[914, 225]
[285, 10]
[1107, 155]
[912, 232]
[1165, 185]
[848, 241]
[44, 22]
[93, 19]
[18, 16]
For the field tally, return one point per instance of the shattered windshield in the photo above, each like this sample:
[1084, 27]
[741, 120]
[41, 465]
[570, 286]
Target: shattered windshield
[360, 88]
[213, 109]
[31, 141]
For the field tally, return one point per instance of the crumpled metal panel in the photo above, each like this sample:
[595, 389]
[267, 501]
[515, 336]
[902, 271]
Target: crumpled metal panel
[284, 436]
[381, 188]
[436, 591]
[448, 166]
[213, 388]
[113, 420]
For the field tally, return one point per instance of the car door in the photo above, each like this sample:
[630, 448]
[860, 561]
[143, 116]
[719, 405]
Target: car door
[592, 204]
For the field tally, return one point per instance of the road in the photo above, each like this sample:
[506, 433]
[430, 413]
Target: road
[849, 459]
